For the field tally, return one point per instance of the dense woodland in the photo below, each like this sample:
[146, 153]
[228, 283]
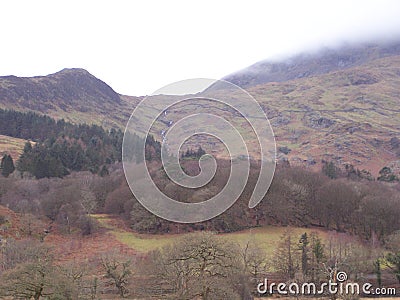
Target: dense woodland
[296, 197]
[60, 147]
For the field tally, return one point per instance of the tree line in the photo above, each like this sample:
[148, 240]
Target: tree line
[201, 265]
[60, 147]
[209, 266]
[297, 197]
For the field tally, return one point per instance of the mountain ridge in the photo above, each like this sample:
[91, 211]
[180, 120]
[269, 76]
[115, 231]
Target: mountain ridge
[349, 116]
[67, 84]
[71, 93]
[306, 64]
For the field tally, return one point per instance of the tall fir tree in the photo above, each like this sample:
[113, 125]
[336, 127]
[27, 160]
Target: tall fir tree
[7, 165]
[305, 251]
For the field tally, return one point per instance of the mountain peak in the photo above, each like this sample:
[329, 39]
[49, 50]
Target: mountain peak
[73, 71]
[72, 89]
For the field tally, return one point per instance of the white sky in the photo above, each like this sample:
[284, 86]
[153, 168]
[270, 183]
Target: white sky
[138, 48]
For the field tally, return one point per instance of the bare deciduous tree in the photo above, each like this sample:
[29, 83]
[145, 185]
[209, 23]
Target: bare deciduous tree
[254, 260]
[36, 276]
[201, 265]
[118, 271]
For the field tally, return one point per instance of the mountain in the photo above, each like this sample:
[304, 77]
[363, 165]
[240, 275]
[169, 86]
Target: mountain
[312, 64]
[339, 105]
[72, 94]
[350, 116]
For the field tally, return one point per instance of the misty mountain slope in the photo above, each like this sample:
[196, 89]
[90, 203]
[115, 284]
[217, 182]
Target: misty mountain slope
[72, 94]
[312, 64]
[349, 116]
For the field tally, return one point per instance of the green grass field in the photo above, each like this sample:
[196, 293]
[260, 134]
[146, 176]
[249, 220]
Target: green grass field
[140, 242]
[266, 237]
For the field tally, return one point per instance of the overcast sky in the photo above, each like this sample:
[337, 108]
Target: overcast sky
[138, 48]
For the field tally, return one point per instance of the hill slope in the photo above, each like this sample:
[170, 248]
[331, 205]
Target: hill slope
[12, 146]
[349, 116]
[312, 64]
[345, 107]
[72, 94]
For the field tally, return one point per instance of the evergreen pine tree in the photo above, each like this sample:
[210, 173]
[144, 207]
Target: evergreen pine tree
[330, 170]
[104, 171]
[7, 165]
[304, 242]
[27, 147]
